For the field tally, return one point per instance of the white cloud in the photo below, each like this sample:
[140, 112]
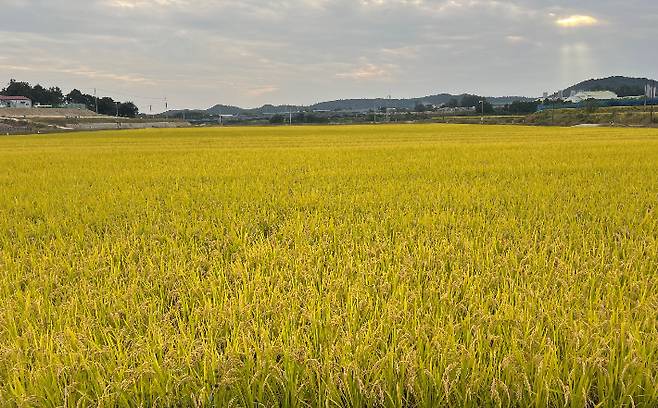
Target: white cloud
[263, 90]
[133, 4]
[516, 39]
[81, 71]
[577, 21]
[367, 72]
[402, 52]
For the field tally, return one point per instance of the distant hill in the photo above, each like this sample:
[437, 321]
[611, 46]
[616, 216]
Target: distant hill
[224, 110]
[355, 105]
[621, 85]
[369, 104]
[220, 109]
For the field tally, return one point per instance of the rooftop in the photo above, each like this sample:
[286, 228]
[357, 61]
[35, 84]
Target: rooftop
[13, 98]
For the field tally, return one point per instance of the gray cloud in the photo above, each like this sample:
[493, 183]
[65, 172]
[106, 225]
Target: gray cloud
[200, 52]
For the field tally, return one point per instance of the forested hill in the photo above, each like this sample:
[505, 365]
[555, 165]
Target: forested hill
[364, 104]
[410, 103]
[621, 85]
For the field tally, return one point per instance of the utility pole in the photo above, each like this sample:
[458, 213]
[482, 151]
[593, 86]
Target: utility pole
[388, 107]
[647, 90]
[290, 115]
[482, 118]
[96, 99]
[652, 94]
[117, 105]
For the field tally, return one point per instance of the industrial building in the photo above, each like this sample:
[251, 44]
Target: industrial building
[577, 97]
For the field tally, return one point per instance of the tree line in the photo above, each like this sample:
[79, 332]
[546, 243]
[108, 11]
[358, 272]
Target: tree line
[622, 91]
[54, 96]
[471, 101]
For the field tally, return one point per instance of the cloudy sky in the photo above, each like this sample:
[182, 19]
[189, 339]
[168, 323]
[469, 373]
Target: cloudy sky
[250, 52]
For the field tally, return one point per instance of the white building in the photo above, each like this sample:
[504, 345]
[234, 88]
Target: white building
[459, 109]
[15, 102]
[577, 97]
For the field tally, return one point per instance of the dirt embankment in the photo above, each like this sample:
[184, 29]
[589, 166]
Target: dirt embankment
[44, 120]
[45, 113]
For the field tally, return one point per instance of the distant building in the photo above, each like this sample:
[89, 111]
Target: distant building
[457, 110]
[15, 102]
[577, 97]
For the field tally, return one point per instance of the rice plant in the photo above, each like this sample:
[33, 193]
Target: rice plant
[417, 265]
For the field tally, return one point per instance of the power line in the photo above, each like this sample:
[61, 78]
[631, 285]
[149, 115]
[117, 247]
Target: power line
[151, 98]
[134, 98]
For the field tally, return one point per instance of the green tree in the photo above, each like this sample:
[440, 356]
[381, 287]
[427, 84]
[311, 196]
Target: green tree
[15, 88]
[107, 106]
[626, 90]
[474, 101]
[38, 94]
[128, 110]
[47, 96]
[470, 101]
[522, 108]
[420, 108]
[75, 96]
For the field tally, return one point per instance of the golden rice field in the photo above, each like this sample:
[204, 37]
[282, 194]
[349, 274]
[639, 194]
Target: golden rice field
[363, 266]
